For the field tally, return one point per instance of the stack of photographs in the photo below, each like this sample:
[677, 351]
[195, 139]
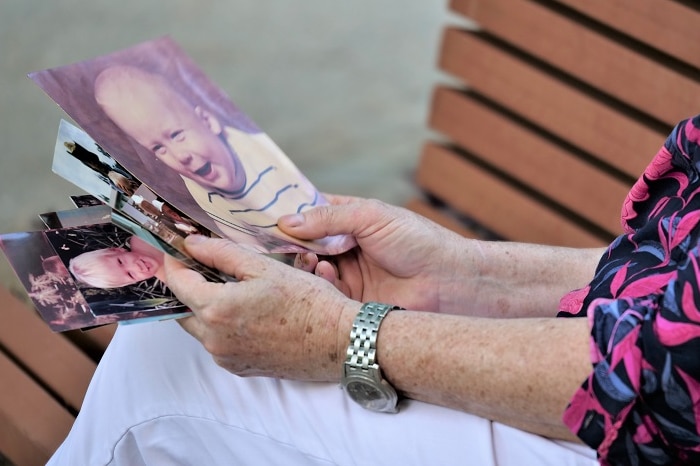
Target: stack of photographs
[162, 153]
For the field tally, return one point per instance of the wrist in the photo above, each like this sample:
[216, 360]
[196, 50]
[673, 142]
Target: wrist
[362, 377]
[461, 272]
[322, 350]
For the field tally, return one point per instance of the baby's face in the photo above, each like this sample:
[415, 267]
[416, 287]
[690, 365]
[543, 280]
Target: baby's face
[132, 266]
[189, 145]
[185, 138]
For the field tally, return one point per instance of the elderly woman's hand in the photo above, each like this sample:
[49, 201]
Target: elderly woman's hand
[401, 257]
[275, 321]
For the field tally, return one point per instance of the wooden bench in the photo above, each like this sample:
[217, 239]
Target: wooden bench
[44, 376]
[558, 107]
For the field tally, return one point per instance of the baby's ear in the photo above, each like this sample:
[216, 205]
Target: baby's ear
[211, 121]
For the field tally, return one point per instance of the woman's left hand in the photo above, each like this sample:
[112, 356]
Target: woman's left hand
[275, 321]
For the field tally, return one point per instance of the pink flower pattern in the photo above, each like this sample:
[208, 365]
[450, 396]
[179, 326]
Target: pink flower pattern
[641, 403]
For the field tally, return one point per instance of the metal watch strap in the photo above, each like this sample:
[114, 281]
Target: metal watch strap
[362, 377]
[362, 350]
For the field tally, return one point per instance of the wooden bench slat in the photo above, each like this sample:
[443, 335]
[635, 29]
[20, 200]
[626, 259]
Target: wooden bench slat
[668, 26]
[536, 162]
[427, 210]
[560, 108]
[603, 63]
[48, 355]
[32, 423]
[495, 204]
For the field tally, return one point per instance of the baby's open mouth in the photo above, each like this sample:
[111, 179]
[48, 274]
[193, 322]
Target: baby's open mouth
[144, 266]
[204, 170]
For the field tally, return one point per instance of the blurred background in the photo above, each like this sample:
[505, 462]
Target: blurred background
[342, 87]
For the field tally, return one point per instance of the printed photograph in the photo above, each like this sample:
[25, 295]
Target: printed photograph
[80, 160]
[92, 169]
[89, 215]
[173, 247]
[85, 200]
[89, 276]
[163, 120]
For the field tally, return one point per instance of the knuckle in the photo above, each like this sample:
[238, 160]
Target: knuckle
[376, 207]
[220, 348]
[224, 251]
[209, 316]
[211, 347]
[216, 349]
[326, 214]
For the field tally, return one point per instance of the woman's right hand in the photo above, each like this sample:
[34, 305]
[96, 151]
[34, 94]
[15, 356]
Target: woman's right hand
[401, 258]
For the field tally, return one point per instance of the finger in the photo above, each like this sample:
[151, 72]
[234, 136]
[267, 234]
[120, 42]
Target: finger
[351, 281]
[306, 262]
[346, 218]
[329, 272]
[225, 256]
[176, 271]
[189, 286]
[192, 326]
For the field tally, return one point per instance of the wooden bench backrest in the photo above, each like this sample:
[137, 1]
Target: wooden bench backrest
[558, 108]
[43, 379]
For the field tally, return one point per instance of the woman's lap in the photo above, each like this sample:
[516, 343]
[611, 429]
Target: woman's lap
[158, 398]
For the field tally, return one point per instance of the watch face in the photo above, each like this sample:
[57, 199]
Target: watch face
[367, 395]
[361, 391]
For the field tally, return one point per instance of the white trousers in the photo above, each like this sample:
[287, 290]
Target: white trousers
[157, 398]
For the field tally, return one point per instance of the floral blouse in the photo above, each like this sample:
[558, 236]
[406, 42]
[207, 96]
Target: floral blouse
[641, 403]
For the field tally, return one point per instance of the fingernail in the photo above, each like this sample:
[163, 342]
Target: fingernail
[293, 220]
[195, 239]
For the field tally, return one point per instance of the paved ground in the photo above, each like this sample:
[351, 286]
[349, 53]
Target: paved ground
[342, 87]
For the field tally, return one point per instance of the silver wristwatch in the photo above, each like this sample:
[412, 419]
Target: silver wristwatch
[362, 378]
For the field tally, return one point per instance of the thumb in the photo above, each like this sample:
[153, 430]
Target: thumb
[330, 220]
